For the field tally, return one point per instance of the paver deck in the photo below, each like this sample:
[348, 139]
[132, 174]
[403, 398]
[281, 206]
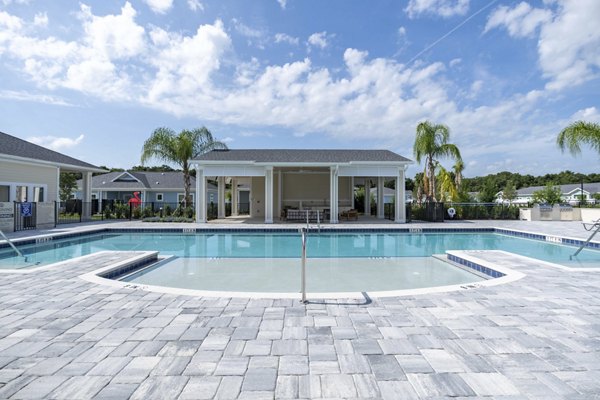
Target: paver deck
[536, 338]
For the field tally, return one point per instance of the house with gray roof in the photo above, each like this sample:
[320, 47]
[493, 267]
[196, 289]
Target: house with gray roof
[281, 181]
[571, 193]
[29, 172]
[153, 187]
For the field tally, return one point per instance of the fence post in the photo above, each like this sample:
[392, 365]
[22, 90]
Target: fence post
[130, 211]
[55, 213]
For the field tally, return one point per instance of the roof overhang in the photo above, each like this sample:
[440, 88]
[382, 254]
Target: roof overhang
[63, 167]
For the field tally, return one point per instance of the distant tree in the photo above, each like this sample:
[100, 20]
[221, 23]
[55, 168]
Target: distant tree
[550, 194]
[108, 169]
[578, 133]
[161, 168]
[431, 143]
[509, 193]
[166, 145]
[488, 192]
[67, 184]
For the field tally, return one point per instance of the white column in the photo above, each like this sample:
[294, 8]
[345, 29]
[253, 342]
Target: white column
[400, 197]
[87, 195]
[352, 192]
[280, 191]
[234, 197]
[367, 196]
[380, 189]
[200, 195]
[333, 195]
[221, 197]
[268, 195]
[100, 194]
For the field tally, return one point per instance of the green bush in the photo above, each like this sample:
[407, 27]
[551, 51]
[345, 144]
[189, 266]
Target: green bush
[136, 213]
[147, 212]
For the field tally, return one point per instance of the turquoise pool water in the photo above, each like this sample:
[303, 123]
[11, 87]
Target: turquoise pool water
[288, 245]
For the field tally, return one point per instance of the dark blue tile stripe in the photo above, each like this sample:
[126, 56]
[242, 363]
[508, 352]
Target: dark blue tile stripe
[474, 266]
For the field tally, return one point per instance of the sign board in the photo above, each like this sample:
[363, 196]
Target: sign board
[26, 210]
[7, 216]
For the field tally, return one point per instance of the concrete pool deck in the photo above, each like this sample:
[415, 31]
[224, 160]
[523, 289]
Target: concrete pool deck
[535, 338]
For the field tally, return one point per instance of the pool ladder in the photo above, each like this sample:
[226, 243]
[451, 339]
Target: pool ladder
[13, 246]
[318, 220]
[595, 225]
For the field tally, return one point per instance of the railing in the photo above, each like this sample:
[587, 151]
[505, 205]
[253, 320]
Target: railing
[465, 211]
[11, 244]
[303, 232]
[595, 228]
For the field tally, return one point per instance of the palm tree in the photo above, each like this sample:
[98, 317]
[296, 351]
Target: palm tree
[458, 167]
[431, 142]
[166, 145]
[578, 133]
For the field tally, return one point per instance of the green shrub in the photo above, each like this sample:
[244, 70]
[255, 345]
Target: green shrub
[147, 212]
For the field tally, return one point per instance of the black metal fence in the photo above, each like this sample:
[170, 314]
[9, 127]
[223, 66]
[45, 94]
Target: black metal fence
[439, 212]
[389, 211]
[73, 211]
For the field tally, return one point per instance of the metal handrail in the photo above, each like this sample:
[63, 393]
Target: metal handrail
[595, 224]
[303, 273]
[13, 246]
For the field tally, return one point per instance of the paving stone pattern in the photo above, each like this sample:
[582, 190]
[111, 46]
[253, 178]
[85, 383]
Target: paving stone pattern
[64, 338]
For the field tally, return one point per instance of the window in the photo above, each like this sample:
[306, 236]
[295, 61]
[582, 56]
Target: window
[94, 196]
[159, 197]
[21, 193]
[38, 194]
[180, 197]
[4, 193]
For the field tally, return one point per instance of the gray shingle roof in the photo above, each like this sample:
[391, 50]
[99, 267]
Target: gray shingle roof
[147, 181]
[590, 187]
[14, 146]
[302, 156]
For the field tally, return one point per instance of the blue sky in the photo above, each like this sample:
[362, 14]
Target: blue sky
[93, 79]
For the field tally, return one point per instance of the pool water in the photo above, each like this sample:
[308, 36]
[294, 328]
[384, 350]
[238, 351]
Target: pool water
[282, 275]
[288, 245]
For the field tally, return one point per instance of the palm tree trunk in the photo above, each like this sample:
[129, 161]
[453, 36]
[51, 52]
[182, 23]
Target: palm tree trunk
[431, 168]
[186, 185]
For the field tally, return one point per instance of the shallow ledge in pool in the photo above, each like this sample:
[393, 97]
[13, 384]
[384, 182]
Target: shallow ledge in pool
[102, 277]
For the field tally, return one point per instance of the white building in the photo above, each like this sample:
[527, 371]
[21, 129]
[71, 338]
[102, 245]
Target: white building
[571, 193]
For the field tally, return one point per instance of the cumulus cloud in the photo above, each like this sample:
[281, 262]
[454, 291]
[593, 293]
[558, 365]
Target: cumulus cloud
[282, 3]
[442, 8]
[520, 21]
[159, 6]
[40, 19]
[285, 38]
[319, 39]
[568, 39]
[195, 5]
[56, 143]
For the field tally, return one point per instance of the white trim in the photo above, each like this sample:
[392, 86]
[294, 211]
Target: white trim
[125, 173]
[30, 161]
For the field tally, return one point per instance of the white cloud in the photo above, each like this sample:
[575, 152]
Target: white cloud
[319, 39]
[285, 38]
[195, 5]
[454, 62]
[228, 139]
[33, 97]
[9, 2]
[282, 3]
[40, 19]
[520, 21]
[56, 143]
[10, 22]
[114, 36]
[245, 30]
[590, 114]
[568, 41]
[159, 6]
[442, 8]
